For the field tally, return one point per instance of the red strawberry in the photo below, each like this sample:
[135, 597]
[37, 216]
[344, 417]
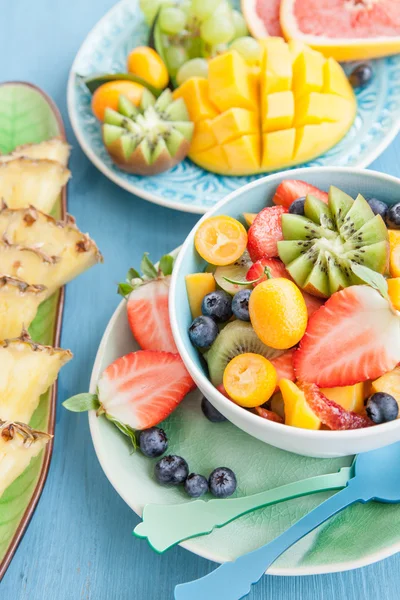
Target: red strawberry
[268, 414]
[141, 389]
[284, 365]
[353, 337]
[291, 189]
[312, 302]
[257, 271]
[331, 414]
[223, 391]
[265, 232]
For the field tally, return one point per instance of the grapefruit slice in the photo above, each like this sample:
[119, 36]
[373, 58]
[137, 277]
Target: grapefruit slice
[344, 29]
[262, 17]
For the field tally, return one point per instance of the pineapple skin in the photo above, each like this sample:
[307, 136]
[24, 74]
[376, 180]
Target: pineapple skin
[18, 305]
[27, 371]
[54, 149]
[19, 443]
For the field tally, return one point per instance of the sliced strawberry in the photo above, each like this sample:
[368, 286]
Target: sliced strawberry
[223, 391]
[142, 388]
[148, 316]
[265, 232]
[331, 414]
[312, 302]
[268, 414]
[353, 337]
[284, 365]
[290, 189]
[257, 271]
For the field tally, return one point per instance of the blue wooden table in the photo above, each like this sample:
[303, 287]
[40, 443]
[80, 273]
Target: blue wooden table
[79, 545]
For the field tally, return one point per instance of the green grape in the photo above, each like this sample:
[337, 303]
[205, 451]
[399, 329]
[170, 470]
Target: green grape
[172, 20]
[175, 56]
[217, 29]
[149, 9]
[249, 48]
[197, 67]
[240, 24]
[202, 9]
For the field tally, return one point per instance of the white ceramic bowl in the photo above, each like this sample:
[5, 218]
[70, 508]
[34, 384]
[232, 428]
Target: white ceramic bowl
[252, 198]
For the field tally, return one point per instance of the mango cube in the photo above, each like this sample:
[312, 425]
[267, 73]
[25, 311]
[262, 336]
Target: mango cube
[197, 286]
[234, 123]
[230, 84]
[276, 68]
[335, 80]
[243, 151]
[278, 148]
[394, 291]
[203, 137]
[394, 257]
[315, 108]
[214, 160]
[297, 411]
[308, 72]
[196, 94]
[350, 397]
[279, 111]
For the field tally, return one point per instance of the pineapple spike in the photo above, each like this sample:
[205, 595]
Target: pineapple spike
[19, 302]
[28, 370]
[19, 443]
[54, 149]
[24, 181]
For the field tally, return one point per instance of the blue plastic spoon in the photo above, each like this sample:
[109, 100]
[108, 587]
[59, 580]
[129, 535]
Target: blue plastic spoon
[377, 477]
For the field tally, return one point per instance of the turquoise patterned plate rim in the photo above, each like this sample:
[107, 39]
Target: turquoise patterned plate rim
[187, 187]
[361, 535]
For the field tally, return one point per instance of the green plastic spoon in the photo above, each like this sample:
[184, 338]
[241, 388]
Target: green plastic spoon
[165, 525]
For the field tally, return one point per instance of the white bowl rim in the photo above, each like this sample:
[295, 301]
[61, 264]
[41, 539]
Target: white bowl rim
[210, 390]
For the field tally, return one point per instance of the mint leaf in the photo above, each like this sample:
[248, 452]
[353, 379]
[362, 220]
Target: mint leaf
[125, 429]
[371, 278]
[132, 274]
[82, 403]
[147, 267]
[166, 264]
[124, 289]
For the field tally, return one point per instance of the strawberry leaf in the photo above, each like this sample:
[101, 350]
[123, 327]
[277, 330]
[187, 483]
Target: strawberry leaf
[124, 289]
[147, 267]
[166, 264]
[132, 274]
[82, 403]
[371, 278]
[125, 429]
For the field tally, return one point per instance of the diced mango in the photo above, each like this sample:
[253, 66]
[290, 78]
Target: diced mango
[295, 48]
[394, 291]
[249, 217]
[308, 73]
[234, 123]
[230, 84]
[389, 383]
[203, 137]
[276, 68]
[196, 94]
[335, 80]
[394, 258]
[351, 397]
[213, 159]
[279, 111]
[243, 154]
[315, 108]
[197, 286]
[297, 411]
[278, 148]
[311, 140]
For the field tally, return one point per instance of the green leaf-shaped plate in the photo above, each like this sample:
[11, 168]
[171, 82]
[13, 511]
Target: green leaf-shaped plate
[28, 115]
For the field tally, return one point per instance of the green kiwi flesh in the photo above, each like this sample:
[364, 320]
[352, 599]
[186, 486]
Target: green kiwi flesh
[319, 248]
[235, 338]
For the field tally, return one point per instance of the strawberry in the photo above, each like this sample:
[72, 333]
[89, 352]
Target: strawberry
[268, 414]
[353, 337]
[284, 365]
[290, 189]
[312, 302]
[331, 414]
[223, 391]
[147, 305]
[265, 232]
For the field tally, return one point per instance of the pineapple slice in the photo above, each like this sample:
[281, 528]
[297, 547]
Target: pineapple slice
[55, 149]
[27, 371]
[18, 305]
[18, 445]
[25, 182]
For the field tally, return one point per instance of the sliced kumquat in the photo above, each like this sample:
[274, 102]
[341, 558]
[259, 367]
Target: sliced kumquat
[221, 240]
[394, 259]
[250, 379]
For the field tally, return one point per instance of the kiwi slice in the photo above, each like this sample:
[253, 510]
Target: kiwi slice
[235, 338]
[320, 248]
[149, 138]
[236, 272]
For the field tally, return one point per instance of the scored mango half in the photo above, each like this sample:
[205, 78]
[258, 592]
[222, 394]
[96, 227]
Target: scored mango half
[291, 109]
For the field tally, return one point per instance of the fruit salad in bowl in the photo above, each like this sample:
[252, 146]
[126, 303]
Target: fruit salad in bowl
[284, 306]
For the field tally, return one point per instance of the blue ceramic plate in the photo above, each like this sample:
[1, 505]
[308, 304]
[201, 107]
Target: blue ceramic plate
[188, 187]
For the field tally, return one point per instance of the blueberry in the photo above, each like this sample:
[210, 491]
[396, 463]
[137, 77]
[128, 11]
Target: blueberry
[222, 482]
[196, 485]
[361, 75]
[297, 206]
[393, 216]
[153, 442]
[378, 207]
[171, 470]
[382, 407]
[203, 331]
[218, 306]
[240, 305]
[211, 413]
